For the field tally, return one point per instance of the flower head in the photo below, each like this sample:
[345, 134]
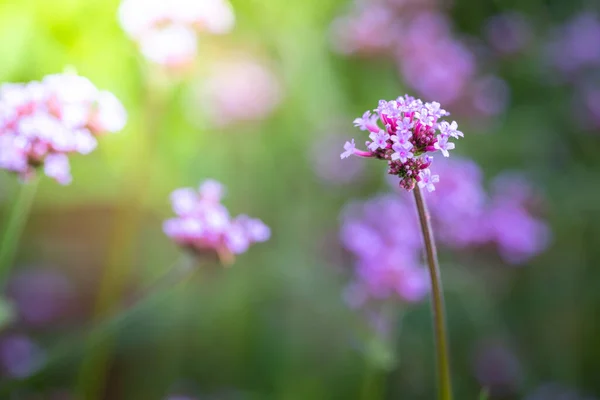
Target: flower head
[41, 123]
[203, 224]
[407, 139]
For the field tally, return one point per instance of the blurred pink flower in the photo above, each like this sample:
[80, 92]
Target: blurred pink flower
[203, 224]
[166, 31]
[41, 123]
[239, 90]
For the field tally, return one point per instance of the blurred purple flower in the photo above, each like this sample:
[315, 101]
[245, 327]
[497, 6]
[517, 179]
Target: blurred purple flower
[574, 45]
[386, 258]
[43, 122]
[490, 95]
[464, 215]
[19, 356]
[586, 104]
[203, 224]
[41, 296]
[419, 37]
[497, 368]
[509, 32]
[518, 234]
[166, 32]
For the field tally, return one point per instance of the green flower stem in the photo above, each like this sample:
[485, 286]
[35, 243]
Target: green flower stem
[17, 218]
[437, 301]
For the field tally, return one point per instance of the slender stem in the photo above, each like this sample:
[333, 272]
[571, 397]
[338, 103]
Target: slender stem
[17, 218]
[439, 317]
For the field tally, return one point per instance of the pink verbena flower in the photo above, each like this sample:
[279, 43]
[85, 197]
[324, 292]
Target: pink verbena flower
[167, 31]
[408, 139]
[41, 123]
[204, 225]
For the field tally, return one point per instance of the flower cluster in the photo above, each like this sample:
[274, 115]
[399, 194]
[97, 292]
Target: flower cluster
[166, 31]
[412, 131]
[387, 255]
[203, 224]
[384, 237]
[42, 122]
[416, 35]
[465, 215]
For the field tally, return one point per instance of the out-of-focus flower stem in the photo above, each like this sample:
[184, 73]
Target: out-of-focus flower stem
[437, 300]
[120, 258]
[17, 218]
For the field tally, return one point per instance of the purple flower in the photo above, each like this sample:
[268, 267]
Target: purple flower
[443, 145]
[379, 140]
[435, 110]
[410, 127]
[425, 117]
[427, 180]
[386, 254]
[509, 32]
[41, 296]
[367, 122]
[19, 356]
[349, 149]
[401, 153]
[203, 224]
[450, 129]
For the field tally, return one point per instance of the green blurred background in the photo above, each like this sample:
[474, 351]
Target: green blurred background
[275, 326]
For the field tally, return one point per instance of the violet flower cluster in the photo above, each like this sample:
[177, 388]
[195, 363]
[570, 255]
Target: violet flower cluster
[573, 51]
[42, 123]
[204, 225]
[383, 233]
[387, 254]
[430, 57]
[167, 31]
[413, 130]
